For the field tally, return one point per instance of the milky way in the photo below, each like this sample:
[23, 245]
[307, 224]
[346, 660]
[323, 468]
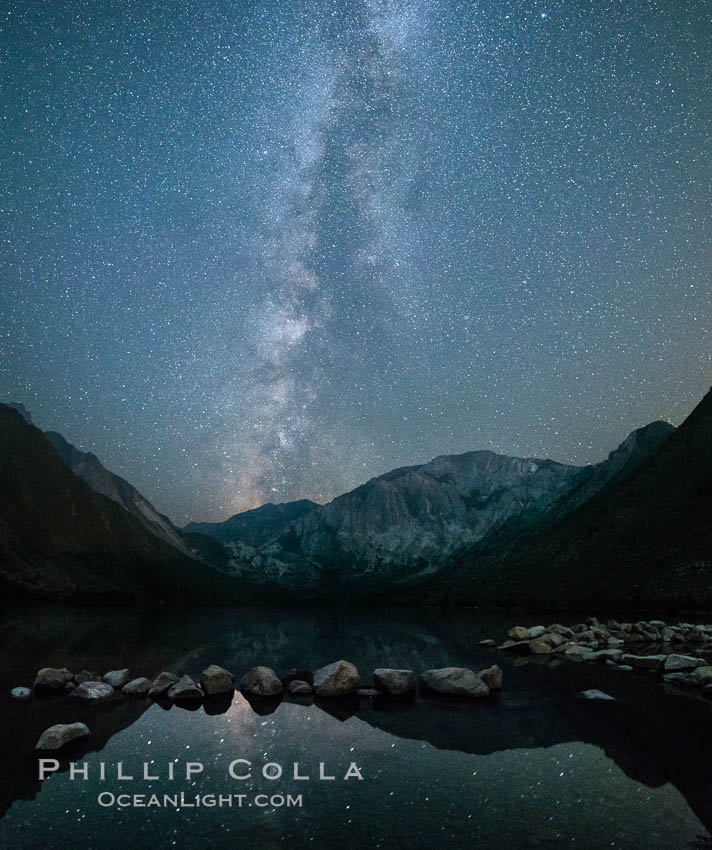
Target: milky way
[262, 251]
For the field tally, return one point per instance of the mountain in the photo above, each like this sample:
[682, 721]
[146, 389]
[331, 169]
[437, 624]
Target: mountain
[253, 527]
[400, 532]
[645, 540]
[60, 539]
[101, 480]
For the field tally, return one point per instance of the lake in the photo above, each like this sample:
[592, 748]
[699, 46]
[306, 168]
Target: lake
[532, 766]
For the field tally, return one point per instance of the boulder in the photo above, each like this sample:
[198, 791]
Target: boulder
[536, 632]
[540, 647]
[600, 655]
[679, 663]
[702, 675]
[337, 679]
[162, 684]
[518, 633]
[52, 679]
[299, 688]
[92, 691]
[137, 687]
[116, 678]
[60, 735]
[558, 629]
[184, 690]
[594, 694]
[492, 677]
[394, 682]
[261, 682]
[217, 680]
[21, 694]
[458, 681]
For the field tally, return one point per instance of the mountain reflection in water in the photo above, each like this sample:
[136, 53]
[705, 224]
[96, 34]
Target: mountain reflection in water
[532, 766]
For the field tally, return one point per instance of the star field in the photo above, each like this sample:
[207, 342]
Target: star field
[263, 251]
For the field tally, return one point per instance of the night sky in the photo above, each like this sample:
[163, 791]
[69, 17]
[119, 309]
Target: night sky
[258, 251]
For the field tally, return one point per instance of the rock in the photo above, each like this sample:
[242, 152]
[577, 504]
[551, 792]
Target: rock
[682, 680]
[60, 735]
[626, 668]
[536, 632]
[185, 690]
[615, 642]
[558, 629]
[455, 680]
[69, 687]
[613, 625]
[87, 676]
[116, 678]
[217, 680]
[138, 687]
[21, 694]
[519, 646]
[92, 691]
[577, 651]
[675, 663]
[162, 684]
[492, 677]
[594, 694]
[554, 639]
[487, 642]
[592, 621]
[613, 655]
[518, 633]
[261, 682]
[394, 682]
[540, 647]
[702, 675]
[336, 679]
[644, 662]
[297, 676]
[299, 688]
[52, 679]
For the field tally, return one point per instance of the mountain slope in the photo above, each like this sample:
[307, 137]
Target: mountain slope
[101, 480]
[253, 527]
[59, 538]
[647, 539]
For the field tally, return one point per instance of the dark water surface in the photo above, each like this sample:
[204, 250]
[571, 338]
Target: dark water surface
[530, 767]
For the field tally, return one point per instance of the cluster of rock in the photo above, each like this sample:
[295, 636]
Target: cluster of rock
[332, 681]
[676, 652]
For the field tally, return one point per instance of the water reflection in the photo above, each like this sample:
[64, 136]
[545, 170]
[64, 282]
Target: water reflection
[529, 767]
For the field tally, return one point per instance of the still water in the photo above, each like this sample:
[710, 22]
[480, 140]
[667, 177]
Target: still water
[533, 766]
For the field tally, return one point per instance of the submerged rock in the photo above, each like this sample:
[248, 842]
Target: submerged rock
[455, 680]
[185, 690]
[262, 682]
[60, 735]
[116, 678]
[337, 679]
[394, 682]
[487, 642]
[21, 694]
[644, 662]
[217, 680]
[52, 679]
[92, 691]
[137, 687]
[492, 677]
[162, 684]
